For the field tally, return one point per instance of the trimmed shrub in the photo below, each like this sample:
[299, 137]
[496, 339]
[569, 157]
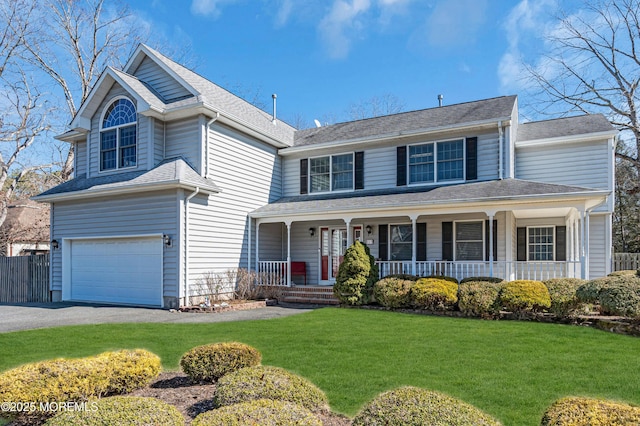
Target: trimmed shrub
[208, 363]
[263, 382]
[414, 406]
[525, 295]
[356, 275]
[479, 298]
[443, 277]
[393, 292]
[590, 412]
[121, 410]
[621, 297]
[434, 294]
[408, 277]
[495, 280]
[265, 412]
[563, 294]
[78, 380]
[589, 292]
[627, 272]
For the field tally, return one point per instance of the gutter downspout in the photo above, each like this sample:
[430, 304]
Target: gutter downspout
[186, 243]
[500, 151]
[206, 144]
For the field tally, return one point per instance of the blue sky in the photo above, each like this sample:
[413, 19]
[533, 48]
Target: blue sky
[320, 56]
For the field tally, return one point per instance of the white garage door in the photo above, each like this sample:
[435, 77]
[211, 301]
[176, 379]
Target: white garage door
[118, 270]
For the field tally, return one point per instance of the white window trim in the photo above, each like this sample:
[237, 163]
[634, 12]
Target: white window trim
[553, 243]
[484, 240]
[117, 129]
[435, 162]
[353, 173]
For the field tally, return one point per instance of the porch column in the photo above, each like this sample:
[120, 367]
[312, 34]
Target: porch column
[249, 244]
[258, 246]
[347, 221]
[491, 215]
[583, 269]
[288, 223]
[586, 245]
[414, 243]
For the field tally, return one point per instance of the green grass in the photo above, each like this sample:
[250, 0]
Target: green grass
[512, 370]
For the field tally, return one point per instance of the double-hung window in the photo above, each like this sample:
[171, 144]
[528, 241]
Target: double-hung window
[331, 173]
[401, 242]
[436, 162]
[469, 240]
[118, 145]
[540, 243]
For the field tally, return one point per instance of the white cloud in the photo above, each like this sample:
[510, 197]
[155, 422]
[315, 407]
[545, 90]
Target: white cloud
[343, 22]
[284, 12]
[209, 8]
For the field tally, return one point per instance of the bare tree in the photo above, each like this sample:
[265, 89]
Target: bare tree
[626, 228]
[593, 65]
[375, 106]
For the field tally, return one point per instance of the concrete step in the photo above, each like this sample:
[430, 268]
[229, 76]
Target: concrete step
[314, 295]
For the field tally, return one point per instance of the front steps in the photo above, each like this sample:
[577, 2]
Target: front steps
[317, 295]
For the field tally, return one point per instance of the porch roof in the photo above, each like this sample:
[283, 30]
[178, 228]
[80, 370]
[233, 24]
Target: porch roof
[491, 195]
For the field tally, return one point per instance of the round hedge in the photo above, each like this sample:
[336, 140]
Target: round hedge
[80, 379]
[434, 294]
[562, 291]
[494, 280]
[414, 406]
[479, 298]
[122, 411]
[263, 382]
[589, 292]
[626, 272]
[393, 292]
[443, 277]
[590, 412]
[524, 296]
[208, 363]
[622, 297]
[265, 412]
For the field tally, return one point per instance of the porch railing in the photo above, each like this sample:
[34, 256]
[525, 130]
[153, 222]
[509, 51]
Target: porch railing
[272, 272]
[502, 269]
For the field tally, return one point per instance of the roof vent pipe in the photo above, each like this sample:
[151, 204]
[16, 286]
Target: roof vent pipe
[440, 98]
[274, 96]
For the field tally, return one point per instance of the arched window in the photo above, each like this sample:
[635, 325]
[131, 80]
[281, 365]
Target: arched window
[118, 136]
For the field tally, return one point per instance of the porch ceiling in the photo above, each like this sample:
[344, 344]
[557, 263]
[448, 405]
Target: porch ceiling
[528, 198]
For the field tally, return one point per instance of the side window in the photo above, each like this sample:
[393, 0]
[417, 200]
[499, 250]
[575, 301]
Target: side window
[118, 144]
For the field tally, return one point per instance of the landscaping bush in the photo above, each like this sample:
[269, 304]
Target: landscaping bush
[408, 277]
[414, 406]
[444, 277]
[627, 272]
[78, 380]
[208, 363]
[479, 298]
[434, 294]
[264, 412]
[589, 292]
[563, 294]
[393, 292]
[263, 382]
[525, 295]
[122, 411]
[495, 280]
[590, 412]
[356, 275]
[621, 297]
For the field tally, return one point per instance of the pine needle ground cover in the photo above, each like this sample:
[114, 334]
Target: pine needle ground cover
[511, 370]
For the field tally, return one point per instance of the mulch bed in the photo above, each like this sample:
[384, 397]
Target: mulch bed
[192, 399]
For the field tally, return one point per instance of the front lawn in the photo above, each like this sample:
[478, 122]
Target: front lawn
[511, 370]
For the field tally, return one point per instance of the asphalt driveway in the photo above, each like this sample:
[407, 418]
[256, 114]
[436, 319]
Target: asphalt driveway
[16, 317]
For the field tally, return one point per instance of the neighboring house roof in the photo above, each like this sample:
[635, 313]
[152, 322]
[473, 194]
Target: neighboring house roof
[457, 115]
[26, 221]
[490, 191]
[170, 173]
[564, 127]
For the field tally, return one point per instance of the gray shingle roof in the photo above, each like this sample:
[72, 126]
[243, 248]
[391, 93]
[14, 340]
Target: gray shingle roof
[226, 102]
[173, 171]
[562, 127]
[432, 118]
[418, 196]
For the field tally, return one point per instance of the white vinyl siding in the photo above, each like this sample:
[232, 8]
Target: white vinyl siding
[161, 82]
[80, 156]
[380, 163]
[183, 140]
[158, 140]
[140, 214]
[248, 174]
[598, 246]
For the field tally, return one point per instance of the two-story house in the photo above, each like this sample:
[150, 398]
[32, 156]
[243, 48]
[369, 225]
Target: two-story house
[176, 177]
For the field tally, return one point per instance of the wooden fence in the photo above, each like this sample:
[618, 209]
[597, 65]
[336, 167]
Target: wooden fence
[625, 261]
[24, 279]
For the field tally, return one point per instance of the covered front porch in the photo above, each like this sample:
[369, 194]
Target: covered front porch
[532, 236]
